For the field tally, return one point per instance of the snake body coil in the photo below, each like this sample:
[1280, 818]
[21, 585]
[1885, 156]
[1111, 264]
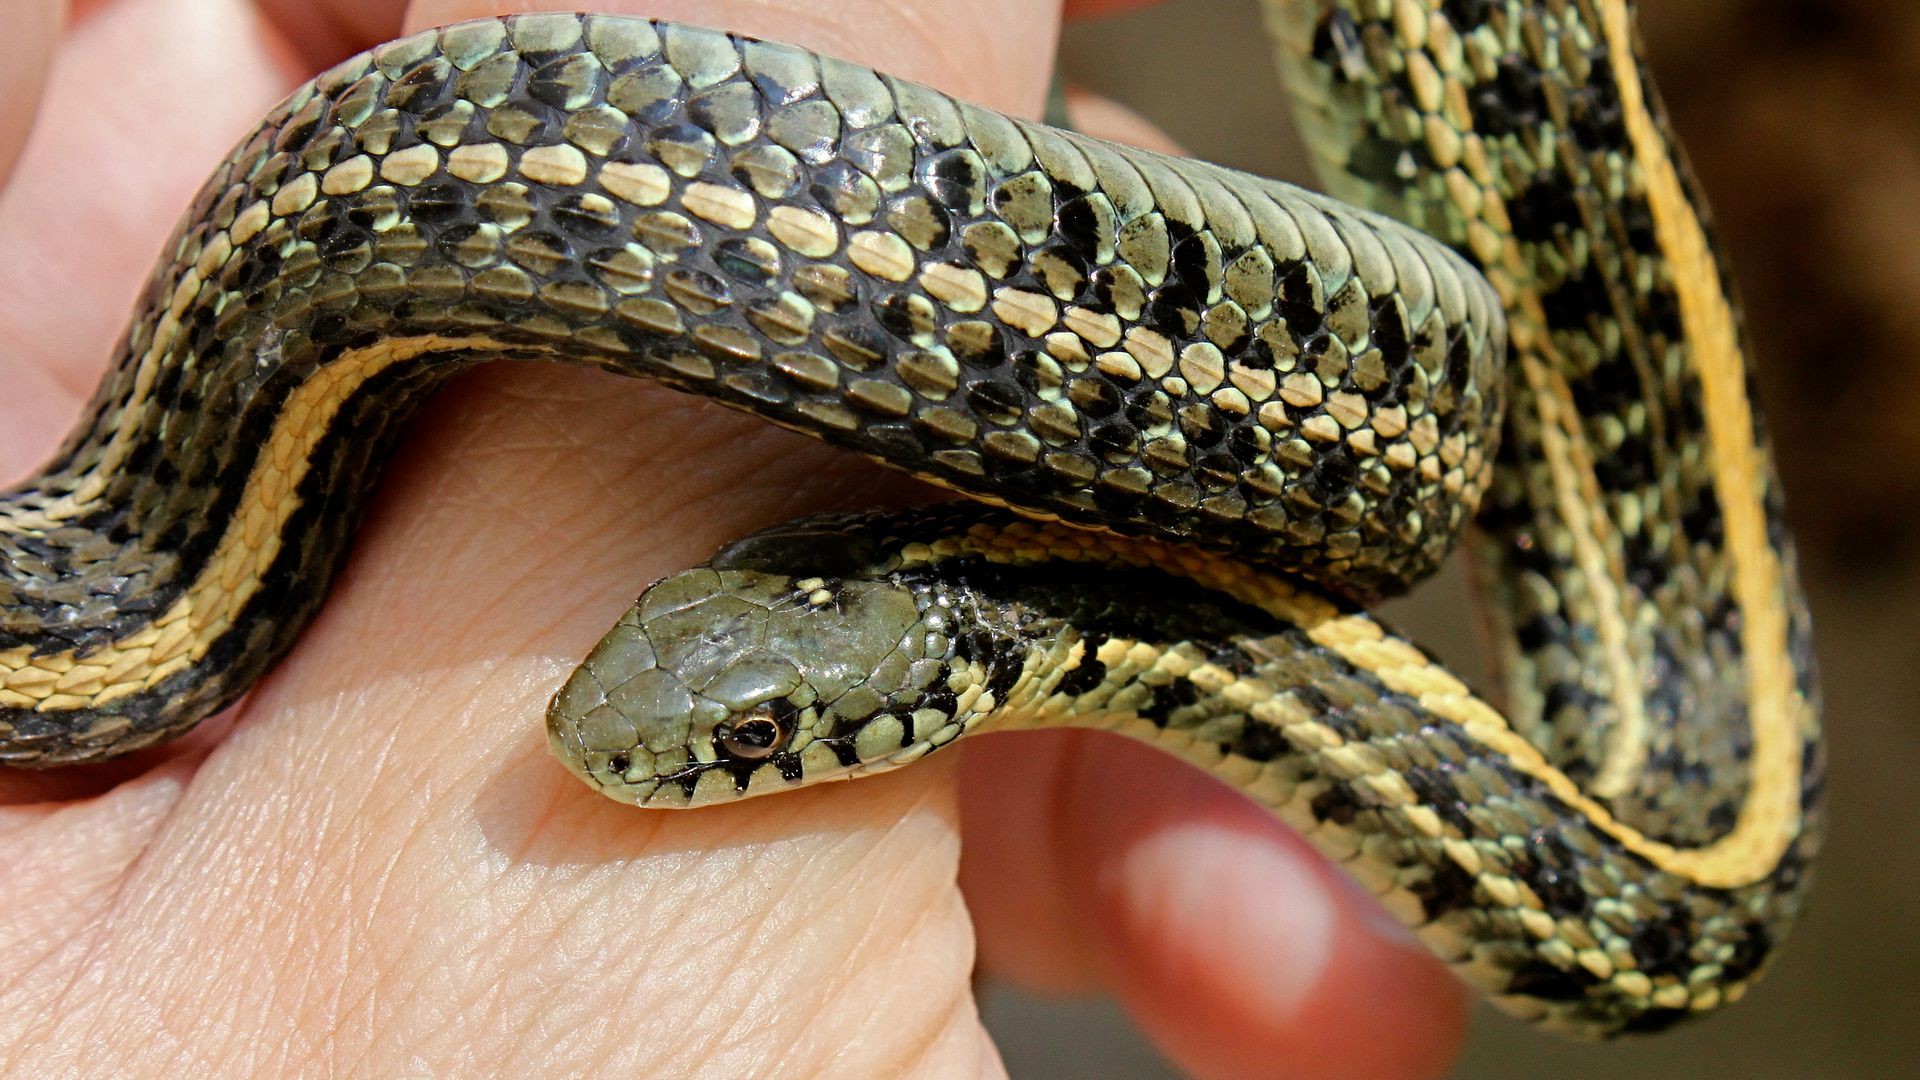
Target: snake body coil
[1241, 373]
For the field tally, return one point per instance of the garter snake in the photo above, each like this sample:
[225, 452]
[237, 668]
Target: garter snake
[1213, 413]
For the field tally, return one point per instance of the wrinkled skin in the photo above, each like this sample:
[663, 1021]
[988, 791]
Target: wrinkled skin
[377, 869]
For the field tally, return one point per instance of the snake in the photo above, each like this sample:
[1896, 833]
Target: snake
[1200, 419]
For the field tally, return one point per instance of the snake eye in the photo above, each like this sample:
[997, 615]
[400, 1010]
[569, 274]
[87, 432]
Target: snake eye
[753, 737]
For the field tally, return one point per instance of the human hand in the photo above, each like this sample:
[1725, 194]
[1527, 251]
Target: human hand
[376, 868]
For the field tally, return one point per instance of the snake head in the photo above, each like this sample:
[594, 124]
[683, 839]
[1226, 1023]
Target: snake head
[788, 658]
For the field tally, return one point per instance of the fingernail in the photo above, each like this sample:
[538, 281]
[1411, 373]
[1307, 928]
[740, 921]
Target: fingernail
[1261, 911]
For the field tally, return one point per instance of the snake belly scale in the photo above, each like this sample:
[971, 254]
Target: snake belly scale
[1209, 414]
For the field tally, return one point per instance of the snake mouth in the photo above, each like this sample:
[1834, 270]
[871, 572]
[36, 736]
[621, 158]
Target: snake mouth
[687, 786]
[628, 776]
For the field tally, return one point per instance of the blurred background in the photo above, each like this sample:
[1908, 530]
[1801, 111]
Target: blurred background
[1802, 118]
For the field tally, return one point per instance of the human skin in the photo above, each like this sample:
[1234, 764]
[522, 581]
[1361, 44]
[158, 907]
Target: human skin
[372, 866]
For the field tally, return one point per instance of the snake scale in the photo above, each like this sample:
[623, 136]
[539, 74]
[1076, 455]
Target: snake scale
[1202, 417]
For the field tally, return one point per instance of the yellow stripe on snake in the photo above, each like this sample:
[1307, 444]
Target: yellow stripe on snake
[1210, 414]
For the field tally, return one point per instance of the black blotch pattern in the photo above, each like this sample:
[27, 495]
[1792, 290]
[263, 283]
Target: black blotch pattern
[1296, 302]
[1259, 741]
[1446, 889]
[1655, 1020]
[1166, 698]
[1436, 792]
[1749, 952]
[1660, 945]
[1086, 676]
[1337, 804]
[1537, 978]
[1551, 870]
[1543, 211]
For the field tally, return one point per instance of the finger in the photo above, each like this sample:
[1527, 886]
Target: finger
[1093, 9]
[322, 32]
[1091, 861]
[113, 160]
[1106, 118]
[996, 53]
[26, 49]
[32, 28]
